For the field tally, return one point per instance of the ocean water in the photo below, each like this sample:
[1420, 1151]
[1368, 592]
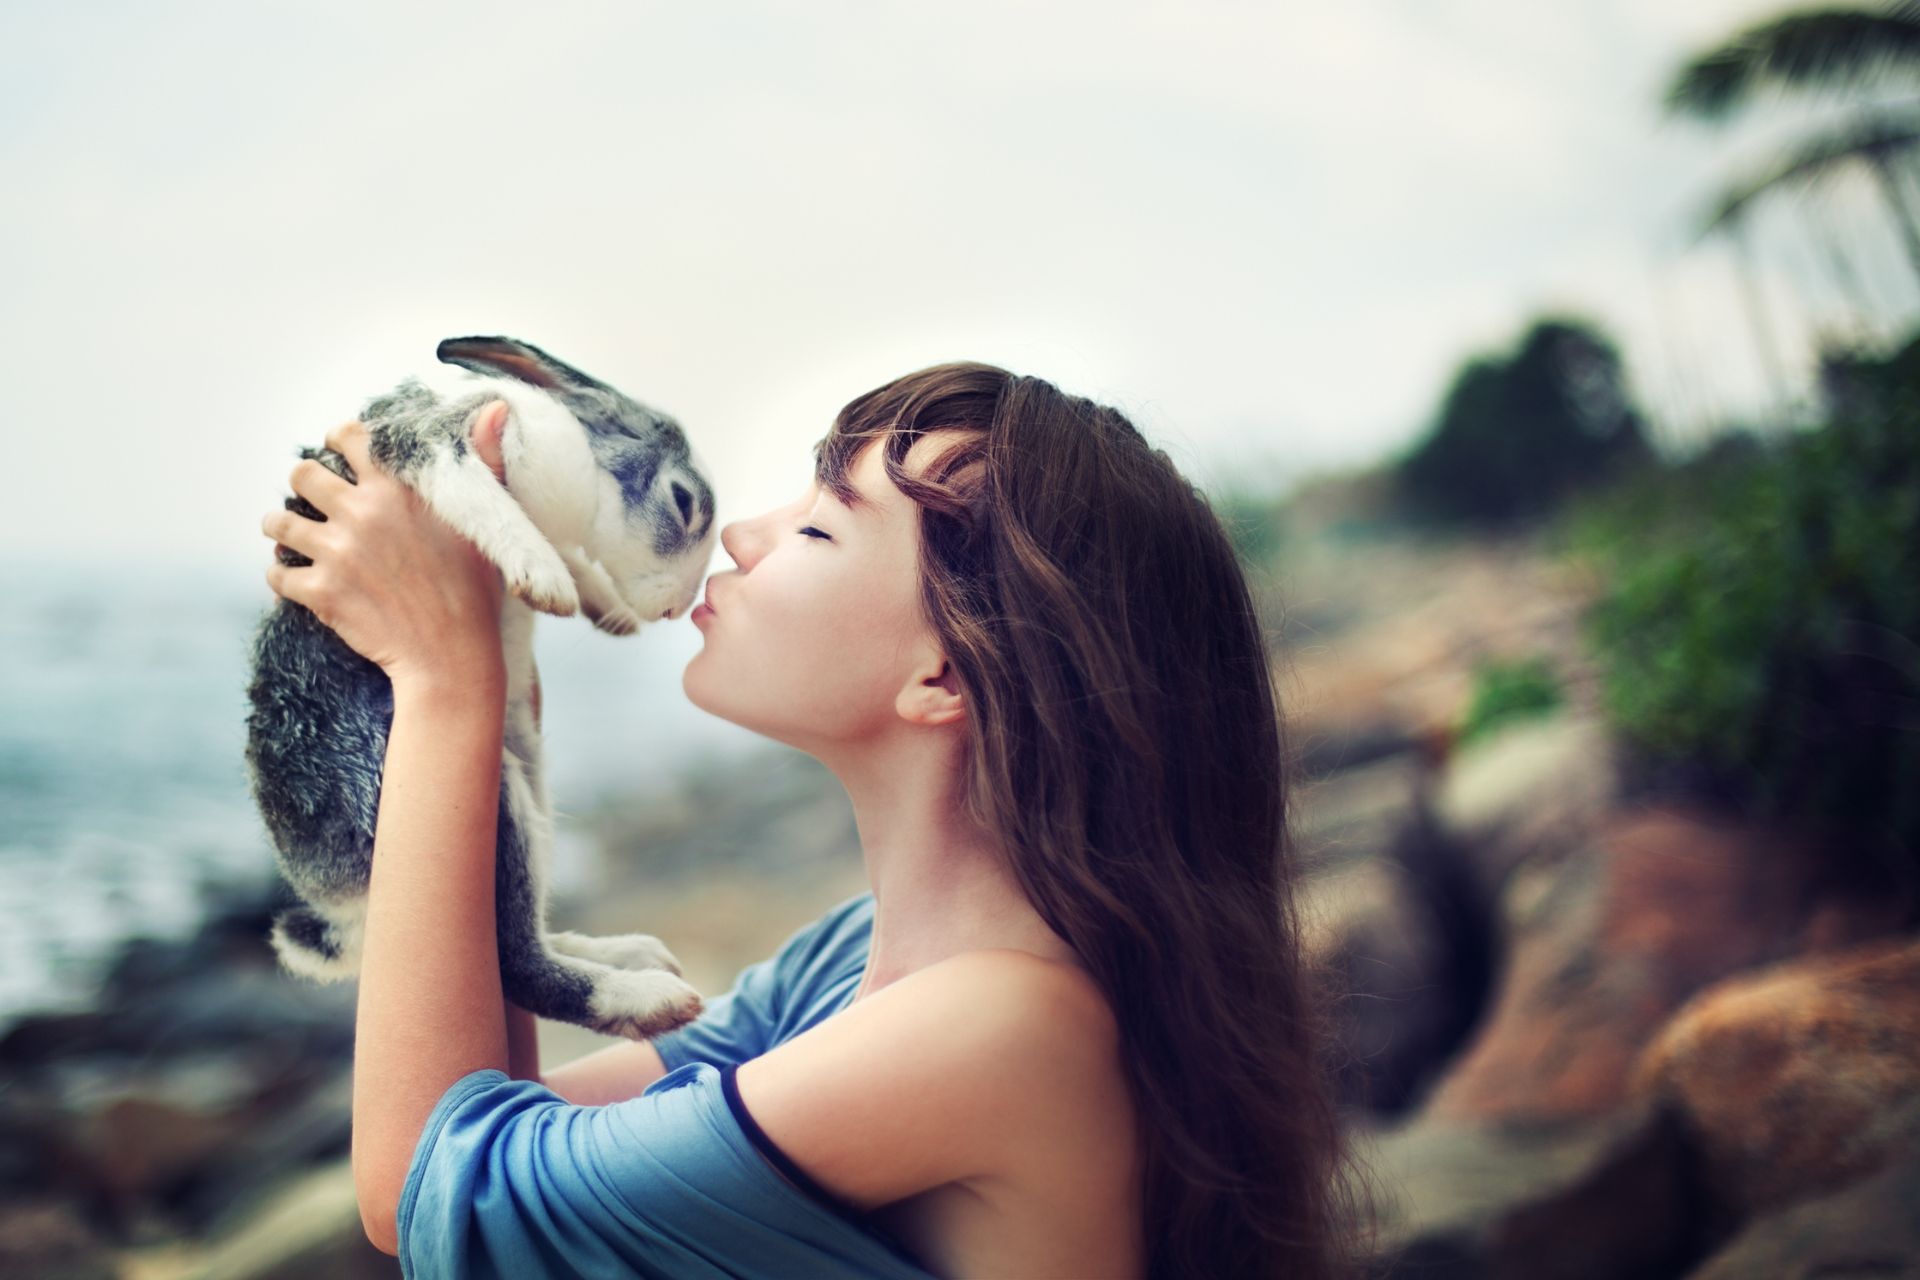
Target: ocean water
[124, 806]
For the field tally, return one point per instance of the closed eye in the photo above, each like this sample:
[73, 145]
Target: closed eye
[811, 532]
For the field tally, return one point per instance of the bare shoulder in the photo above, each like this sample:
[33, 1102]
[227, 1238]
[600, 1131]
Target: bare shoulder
[1048, 1003]
[931, 1080]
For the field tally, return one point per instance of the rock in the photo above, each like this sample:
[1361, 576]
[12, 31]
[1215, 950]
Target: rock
[309, 1230]
[244, 1005]
[30, 1138]
[1357, 813]
[1397, 627]
[1340, 744]
[1795, 1080]
[47, 1240]
[1868, 1229]
[171, 1141]
[1602, 946]
[182, 1008]
[1389, 911]
[1384, 951]
[232, 935]
[137, 1149]
[1586, 1200]
[1536, 788]
[318, 1128]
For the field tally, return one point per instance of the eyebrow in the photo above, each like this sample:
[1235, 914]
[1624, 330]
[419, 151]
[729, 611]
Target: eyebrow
[860, 505]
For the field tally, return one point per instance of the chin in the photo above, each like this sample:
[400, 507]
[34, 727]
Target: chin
[690, 684]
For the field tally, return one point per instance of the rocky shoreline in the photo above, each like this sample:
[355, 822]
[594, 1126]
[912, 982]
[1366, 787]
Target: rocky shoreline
[1591, 1027]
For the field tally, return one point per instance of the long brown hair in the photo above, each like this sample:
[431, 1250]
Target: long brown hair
[1125, 742]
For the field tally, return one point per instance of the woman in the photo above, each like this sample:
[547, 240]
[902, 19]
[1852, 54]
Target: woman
[1082, 1042]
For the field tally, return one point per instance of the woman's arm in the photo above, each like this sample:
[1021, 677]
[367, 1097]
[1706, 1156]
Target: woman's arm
[523, 1044]
[431, 1008]
[410, 594]
[610, 1074]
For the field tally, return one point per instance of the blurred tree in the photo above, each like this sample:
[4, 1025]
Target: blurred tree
[1759, 631]
[1517, 433]
[1831, 51]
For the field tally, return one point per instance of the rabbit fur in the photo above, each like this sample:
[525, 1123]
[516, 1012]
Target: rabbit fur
[606, 510]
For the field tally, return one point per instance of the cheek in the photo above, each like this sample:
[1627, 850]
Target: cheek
[818, 655]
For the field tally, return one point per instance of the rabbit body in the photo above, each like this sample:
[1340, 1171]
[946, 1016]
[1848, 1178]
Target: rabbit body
[605, 510]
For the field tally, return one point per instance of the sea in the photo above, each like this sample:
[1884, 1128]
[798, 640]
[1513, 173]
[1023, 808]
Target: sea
[124, 804]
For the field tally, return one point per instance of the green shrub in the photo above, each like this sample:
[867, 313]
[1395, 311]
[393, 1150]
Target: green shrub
[1504, 692]
[1760, 620]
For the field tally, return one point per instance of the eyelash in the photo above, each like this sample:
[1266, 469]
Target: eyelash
[810, 531]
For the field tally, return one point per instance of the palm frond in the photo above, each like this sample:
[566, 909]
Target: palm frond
[1818, 50]
[1809, 161]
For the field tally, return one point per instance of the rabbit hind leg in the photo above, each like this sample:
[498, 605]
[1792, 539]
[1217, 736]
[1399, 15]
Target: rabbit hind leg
[619, 951]
[317, 947]
[636, 1003]
[569, 988]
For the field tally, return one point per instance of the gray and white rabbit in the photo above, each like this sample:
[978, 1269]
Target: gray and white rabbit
[605, 510]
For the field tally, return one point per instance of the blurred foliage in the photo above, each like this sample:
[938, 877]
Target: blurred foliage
[1760, 621]
[1506, 691]
[1517, 433]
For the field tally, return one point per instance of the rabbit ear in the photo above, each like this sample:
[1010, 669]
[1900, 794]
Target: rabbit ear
[516, 359]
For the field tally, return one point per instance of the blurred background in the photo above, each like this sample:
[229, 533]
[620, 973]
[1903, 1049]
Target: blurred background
[1553, 367]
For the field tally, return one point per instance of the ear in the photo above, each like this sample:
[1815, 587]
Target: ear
[516, 359]
[932, 695]
[485, 431]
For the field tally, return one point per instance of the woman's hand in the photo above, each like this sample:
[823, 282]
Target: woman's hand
[389, 577]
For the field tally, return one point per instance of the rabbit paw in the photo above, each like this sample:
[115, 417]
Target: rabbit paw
[544, 583]
[621, 951]
[616, 621]
[642, 1004]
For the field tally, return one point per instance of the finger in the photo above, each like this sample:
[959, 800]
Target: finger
[349, 440]
[289, 582]
[317, 483]
[293, 530]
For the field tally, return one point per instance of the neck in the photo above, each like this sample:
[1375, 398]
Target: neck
[941, 887]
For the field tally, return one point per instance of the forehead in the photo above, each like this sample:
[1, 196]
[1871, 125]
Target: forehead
[868, 475]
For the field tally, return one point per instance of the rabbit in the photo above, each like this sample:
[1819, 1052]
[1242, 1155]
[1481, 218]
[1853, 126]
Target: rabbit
[605, 510]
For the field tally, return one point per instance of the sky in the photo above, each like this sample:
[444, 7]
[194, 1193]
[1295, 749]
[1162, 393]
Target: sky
[1268, 233]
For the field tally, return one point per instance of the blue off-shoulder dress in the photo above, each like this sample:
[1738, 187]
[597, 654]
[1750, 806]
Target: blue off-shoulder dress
[510, 1179]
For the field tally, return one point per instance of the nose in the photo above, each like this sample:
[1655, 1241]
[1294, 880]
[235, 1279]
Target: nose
[730, 539]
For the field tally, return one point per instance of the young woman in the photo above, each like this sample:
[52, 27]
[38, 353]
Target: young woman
[1068, 1032]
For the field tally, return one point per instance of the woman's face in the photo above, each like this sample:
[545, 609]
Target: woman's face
[815, 635]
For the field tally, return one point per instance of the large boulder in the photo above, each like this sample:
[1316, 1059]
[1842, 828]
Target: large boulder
[1366, 926]
[1533, 789]
[202, 1073]
[309, 1229]
[1579, 1200]
[45, 1239]
[1870, 1228]
[1604, 944]
[1795, 1080]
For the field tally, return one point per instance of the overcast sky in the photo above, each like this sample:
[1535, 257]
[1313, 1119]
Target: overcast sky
[1269, 232]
